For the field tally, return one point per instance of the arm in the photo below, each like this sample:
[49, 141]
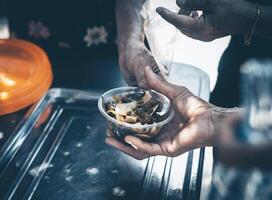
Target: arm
[129, 22]
[133, 54]
[220, 18]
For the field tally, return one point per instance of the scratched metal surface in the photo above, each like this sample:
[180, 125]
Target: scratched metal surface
[58, 152]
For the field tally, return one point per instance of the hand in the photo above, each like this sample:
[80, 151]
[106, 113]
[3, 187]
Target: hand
[194, 125]
[220, 18]
[132, 61]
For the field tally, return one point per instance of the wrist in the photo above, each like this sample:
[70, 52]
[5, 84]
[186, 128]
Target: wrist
[129, 46]
[220, 115]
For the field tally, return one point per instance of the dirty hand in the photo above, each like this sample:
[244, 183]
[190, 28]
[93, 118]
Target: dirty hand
[220, 18]
[194, 125]
[132, 62]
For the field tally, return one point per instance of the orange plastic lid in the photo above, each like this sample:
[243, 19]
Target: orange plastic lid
[25, 74]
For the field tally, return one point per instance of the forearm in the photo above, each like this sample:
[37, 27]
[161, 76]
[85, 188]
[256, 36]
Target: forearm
[129, 22]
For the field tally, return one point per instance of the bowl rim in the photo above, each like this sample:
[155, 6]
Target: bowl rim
[136, 126]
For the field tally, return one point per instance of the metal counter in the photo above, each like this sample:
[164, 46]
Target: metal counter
[58, 152]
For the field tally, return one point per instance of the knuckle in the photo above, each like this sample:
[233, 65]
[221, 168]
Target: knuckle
[170, 151]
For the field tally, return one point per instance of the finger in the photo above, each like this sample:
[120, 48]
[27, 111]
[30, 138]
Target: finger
[179, 21]
[182, 99]
[183, 11]
[187, 104]
[151, 149]
[157, 83]
[193, 4]
[125, 148]
[150, 61]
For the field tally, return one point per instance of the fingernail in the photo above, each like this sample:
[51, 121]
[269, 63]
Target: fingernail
[130, 143]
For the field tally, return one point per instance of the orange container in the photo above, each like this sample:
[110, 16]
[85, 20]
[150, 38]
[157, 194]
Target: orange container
[25, 74]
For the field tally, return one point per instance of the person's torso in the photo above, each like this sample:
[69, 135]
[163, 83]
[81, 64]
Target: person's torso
[259, 48]
[261, 2]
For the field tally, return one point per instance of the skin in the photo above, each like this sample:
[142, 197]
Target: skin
[133, 54]
[220, 18]
[194, 125]
[196, 122]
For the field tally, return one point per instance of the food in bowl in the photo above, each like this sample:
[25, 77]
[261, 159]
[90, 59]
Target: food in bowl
[134, 111]
[139, 107]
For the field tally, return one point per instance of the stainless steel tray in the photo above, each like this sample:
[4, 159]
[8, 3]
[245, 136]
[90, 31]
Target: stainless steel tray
[58, 152]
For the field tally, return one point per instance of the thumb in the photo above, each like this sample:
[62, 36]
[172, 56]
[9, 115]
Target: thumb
[182, 99]
[157, 83]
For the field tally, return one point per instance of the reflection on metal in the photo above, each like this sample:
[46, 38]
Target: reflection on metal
[66, 126]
